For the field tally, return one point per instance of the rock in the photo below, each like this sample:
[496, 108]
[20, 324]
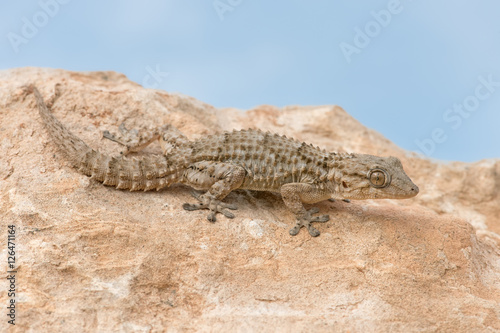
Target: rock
[93, 258]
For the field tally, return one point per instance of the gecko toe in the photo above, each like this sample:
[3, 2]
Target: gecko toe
[295, 230]
[196, 195]
[229, 206]
[227, 214]
[313, 231]
[211, 217]
[344, 200]
[107, 134]
[191, 207]
[313, 210]
[321, 219]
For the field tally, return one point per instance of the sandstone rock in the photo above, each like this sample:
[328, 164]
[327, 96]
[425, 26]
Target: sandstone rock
[92, 258]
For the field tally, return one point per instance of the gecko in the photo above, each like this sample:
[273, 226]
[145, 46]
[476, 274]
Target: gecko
[242, 159]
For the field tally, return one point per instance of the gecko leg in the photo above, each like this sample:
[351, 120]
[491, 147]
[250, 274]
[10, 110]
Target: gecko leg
[135, 141]
[294, 194]
[220, 179]
[132, 140]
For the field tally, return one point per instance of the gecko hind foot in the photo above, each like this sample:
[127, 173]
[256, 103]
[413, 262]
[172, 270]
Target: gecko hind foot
[207, 201]
[306, 220]
[125, 137]
[133, 140]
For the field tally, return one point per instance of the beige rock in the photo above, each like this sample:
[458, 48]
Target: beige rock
[92, 258]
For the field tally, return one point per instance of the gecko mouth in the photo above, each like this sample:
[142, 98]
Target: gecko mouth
[407, 192]
[396, 193]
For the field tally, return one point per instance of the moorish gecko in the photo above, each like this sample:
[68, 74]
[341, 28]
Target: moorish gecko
[247, 159]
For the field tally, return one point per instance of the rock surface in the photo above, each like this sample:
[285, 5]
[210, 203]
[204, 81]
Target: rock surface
[92, 258]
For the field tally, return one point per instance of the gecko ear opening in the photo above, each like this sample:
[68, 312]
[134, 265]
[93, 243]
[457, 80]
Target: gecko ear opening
[379, 178]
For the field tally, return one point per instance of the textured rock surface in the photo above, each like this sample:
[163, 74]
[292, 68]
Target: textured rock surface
[92, 258]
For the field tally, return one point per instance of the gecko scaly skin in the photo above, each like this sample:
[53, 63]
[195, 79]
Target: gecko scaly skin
[247, 159]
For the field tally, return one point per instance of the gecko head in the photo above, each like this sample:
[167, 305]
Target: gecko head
[374, 177]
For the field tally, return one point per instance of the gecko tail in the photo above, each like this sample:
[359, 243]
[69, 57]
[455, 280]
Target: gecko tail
[150, 172]
[72, 146]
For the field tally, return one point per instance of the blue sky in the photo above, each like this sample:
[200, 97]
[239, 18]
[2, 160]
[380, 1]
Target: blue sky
[426, 74]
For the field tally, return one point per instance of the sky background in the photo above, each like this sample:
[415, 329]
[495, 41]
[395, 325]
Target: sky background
[425, 74]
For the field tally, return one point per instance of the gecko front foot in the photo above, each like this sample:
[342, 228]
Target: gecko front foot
[208, 201]
[306, 220]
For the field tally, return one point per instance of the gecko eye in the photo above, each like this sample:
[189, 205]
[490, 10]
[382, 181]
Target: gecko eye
[378, 178]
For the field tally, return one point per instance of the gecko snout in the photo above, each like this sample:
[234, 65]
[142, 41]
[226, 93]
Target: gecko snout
[414, 190]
